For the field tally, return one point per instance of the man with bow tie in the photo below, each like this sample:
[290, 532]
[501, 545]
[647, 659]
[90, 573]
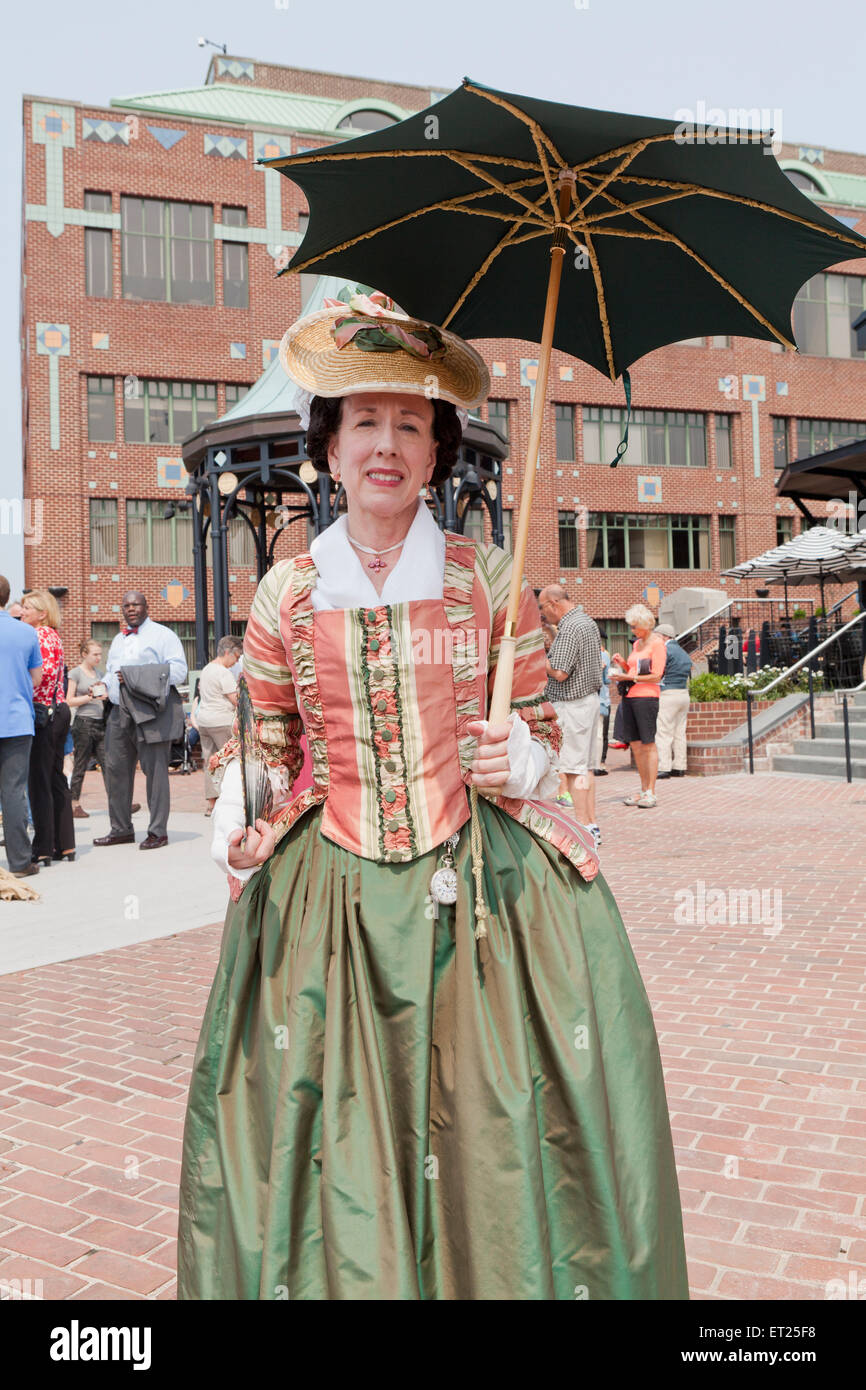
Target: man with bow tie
[143, 720]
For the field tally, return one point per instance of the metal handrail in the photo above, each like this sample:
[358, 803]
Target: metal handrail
[707, 619]
[804, 660]
[843, 600]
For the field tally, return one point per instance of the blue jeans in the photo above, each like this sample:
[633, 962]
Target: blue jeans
[14, 771]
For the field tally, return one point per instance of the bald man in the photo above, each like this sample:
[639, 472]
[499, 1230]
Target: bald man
[574, 676]
[140, 642]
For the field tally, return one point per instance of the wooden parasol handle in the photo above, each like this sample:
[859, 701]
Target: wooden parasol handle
[500, 703]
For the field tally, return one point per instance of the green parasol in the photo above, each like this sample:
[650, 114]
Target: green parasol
[631, 232]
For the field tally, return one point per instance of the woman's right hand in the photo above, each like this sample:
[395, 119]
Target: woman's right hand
[259, 846]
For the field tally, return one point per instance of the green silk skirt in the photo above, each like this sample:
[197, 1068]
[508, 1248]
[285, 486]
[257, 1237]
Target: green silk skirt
[382, 1107]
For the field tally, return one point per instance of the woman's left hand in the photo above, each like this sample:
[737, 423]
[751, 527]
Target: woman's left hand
[490, 767]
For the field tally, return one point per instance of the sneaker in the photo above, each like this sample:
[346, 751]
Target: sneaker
[617, 745]
[600, 772]
[633, 799]
[566, 800]
[646, 799]
[596, 833]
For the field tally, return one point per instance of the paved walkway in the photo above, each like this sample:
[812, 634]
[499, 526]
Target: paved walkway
[117, 896]
[745, 904]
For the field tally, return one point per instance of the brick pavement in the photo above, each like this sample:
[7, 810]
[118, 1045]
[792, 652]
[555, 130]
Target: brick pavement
[758, 1021]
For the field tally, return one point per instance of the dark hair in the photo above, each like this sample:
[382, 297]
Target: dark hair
[4, 591]
[326, 413]
[602, 634]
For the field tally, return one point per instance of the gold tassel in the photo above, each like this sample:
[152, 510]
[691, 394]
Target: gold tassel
[477, 866]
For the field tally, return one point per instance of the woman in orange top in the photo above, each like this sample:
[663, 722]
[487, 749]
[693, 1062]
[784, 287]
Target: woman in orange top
[640, 707]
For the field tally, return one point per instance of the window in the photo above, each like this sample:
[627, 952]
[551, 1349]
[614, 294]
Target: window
[236, 277]
[167, 412]
[186, 633]
[784, 529]
[497, 415]
[780, 441]
[801, 180]
[369, 119]
[103, 531]
[167, 250]
[824, 311]
[727, 542]
[689, 342]
[152, 538]
[308, 282]
[478, 525]
[720, 340]
[564, 425]
[724, 449]
[819, 436]
[569, 550]
[615, 541]
[234, 393]
[242, 545]
[100, 409]
[98, 276]
[618, 635]
[657, 438]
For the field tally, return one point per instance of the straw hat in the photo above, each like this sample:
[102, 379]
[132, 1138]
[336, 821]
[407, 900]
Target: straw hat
[452, 371]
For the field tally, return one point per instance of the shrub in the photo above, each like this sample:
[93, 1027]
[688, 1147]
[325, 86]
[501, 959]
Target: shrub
[713, 687]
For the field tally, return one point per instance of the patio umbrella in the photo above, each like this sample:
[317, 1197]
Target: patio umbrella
[479, 210]
[822, 553]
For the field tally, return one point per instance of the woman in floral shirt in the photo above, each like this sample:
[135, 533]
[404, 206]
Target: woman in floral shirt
[50, 800]
[427, 1068]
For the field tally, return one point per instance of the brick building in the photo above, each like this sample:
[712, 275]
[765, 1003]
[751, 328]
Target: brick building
[150, 306]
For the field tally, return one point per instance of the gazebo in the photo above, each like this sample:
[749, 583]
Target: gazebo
[252, 465]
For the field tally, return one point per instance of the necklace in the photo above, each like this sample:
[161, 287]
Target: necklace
[377, 563]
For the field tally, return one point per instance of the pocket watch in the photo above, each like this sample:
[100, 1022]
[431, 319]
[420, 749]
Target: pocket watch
[443, 884]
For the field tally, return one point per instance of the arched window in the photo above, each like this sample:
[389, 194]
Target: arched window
[801, 180]
[366, 119]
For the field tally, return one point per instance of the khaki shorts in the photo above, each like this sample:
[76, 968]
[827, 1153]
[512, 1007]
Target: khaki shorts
[579, 720]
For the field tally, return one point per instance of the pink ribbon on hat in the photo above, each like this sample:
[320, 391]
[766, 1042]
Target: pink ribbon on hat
[376, 306]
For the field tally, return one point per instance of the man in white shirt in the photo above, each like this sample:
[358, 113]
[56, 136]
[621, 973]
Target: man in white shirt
[140, 642]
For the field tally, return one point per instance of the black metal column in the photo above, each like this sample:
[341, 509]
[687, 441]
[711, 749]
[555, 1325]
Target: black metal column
[202, 655]
[218, 556]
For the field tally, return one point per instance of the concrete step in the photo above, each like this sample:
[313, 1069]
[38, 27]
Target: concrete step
[829, 748]
[857, 731]
[818, 767]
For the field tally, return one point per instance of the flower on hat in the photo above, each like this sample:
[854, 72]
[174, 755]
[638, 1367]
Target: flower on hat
[354, 326]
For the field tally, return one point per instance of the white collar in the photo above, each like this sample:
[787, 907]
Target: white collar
[344, 582]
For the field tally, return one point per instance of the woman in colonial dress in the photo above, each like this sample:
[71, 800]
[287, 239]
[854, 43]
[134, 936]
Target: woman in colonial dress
[427, 1067]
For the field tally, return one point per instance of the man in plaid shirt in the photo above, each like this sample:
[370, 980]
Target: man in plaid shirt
[574, 676]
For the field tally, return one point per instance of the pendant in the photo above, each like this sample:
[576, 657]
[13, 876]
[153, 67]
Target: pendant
[443, 884]
[377, 564]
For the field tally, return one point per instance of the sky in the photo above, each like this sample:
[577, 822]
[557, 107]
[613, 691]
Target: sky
[804, 64]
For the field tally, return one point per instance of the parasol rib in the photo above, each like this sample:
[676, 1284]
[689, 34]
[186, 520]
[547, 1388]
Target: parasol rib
[602, 303]
[707, 192]
[673, 240]
[501, 245]
[520, 115]
[609, 177]
[445, 205]
[335, 156]
[497, 184]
